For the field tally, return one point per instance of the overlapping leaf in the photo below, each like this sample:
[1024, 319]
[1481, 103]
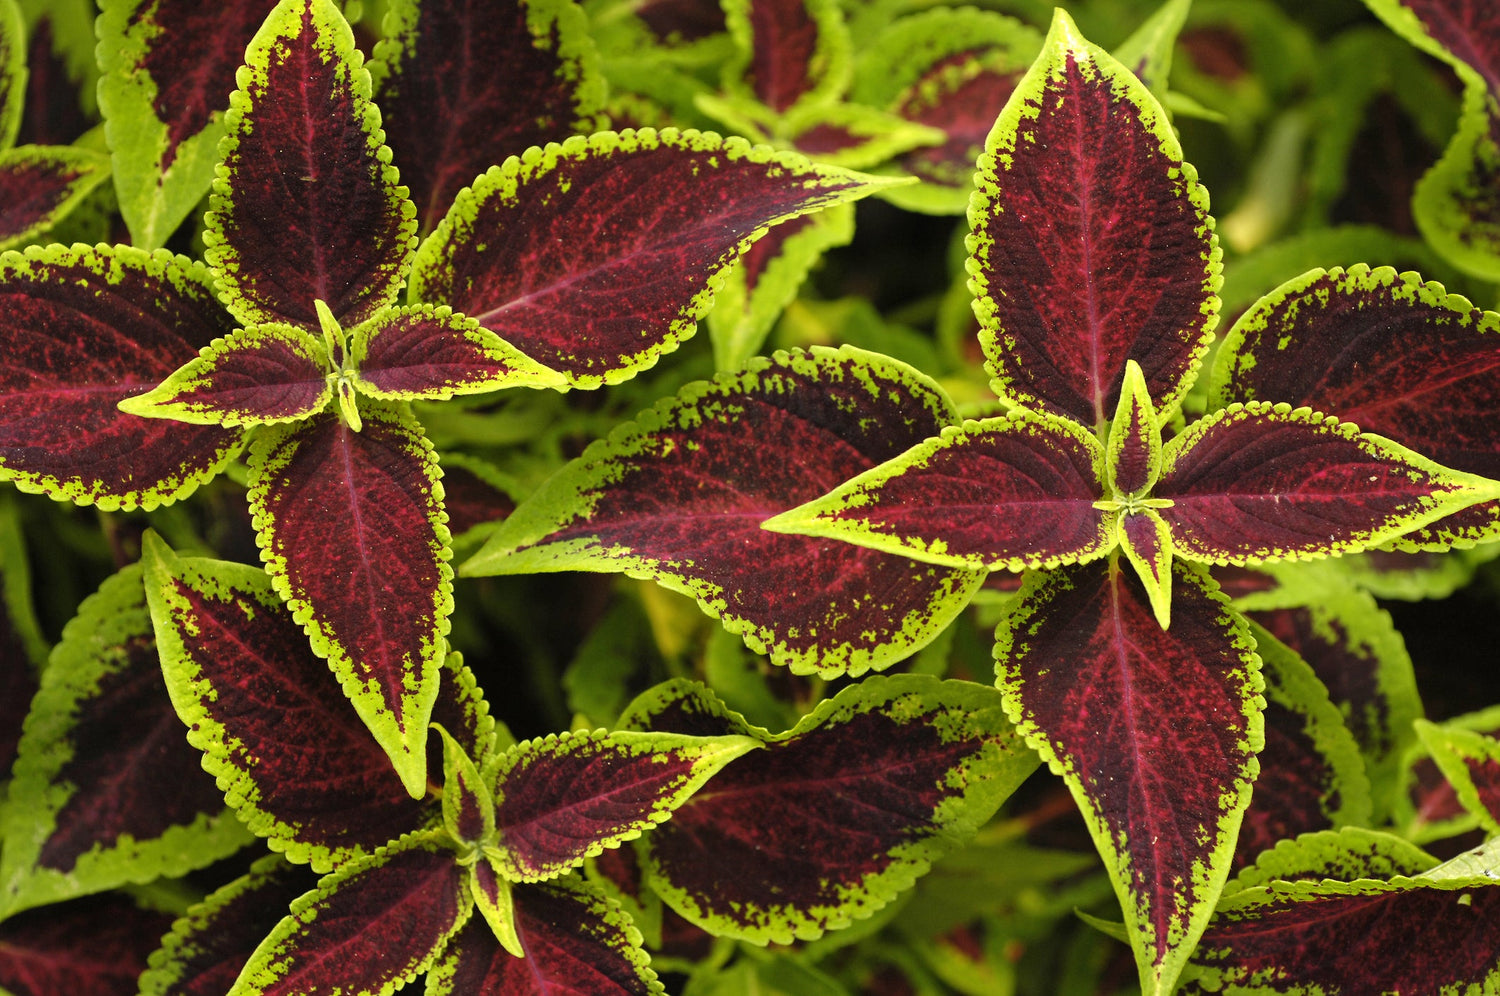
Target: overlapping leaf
[671, 212]
[463, 86]
[679, 495]
[106, 792]
[352, 528]
[834, 818]
[1155, 732]
[142, 316]
[87, 947]
[787, 51]
[1125, 267]
[1471, 762]
[1398, 357]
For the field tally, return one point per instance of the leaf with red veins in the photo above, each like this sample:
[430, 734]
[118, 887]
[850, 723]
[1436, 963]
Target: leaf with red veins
[575, 941]
[1133, 449]
[352, 529]
[370, 927]
[447, 78]
[569, 797]
[258, 376]
[1396, 356]
[292, 757]
[431, 353]
[1011, 493]
[41, 184]
[597, 256]
[83, 328]
[1261, 482]
[1146, 540]
[679, 495]
[468, 810]
[1155, 732]
[1470, 760]
[88, 947]
[1123, 266]
[788, 52]
[306, 205]
[494, 899]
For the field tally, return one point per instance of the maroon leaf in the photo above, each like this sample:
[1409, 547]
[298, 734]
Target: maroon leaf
[53, 114]
[669, 212]
[1466, 28]
[1398, 357]
[432, 353]
[831, 821]
[1255, 482]
[296, 762]
[1155, 732]
[81, 329]
[575, 941]
[351, 528]
[87, 947]
[370, 927]
[205, 951]
[783, 43]
[306, 206]
[1124, 267]
[466, 84]
[40, 184]
[473, 493]
[681, 494]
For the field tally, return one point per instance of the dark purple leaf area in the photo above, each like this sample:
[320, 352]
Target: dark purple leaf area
[1349, 669]
[132, 770]
[34, 188]
[1415, 941]
[784, 40]
[52, 114]
[1258, 486]
[269, 377]
[1485, 773]
[965, 111]
[766, 248]
[693, 500]
[1295, 790]
[473, 86]
[560, 801]
[1406, 369]
[808, 818]
[1115, 271]
[290, 728]
[370, 933]
[1131, 462]
[211, 957]
[192, 57]
[18, 683]
[310, 215]
[347, 514]
[76, 344]
[1431, 795]
[88, 947]
[569, 949]
[682, 20]
[1012, 489]
[1470, 29]
[660, 222]
[825, 138]
[471, 500]
[1150, 722]
[419, 352]
[470, 822]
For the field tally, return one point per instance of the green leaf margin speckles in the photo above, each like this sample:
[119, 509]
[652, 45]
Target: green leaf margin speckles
[1453, 749]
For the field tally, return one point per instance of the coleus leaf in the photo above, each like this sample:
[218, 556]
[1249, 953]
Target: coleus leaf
[351, 524]
[1012, 492]
[1257, 482]
[143, 315]
[305, 205]
[369, 928]
[106, 792]
[1342, 855]
[835, 817]
[95, 946]
[447, 77]
[679, 496]
[168, 67]
[673, 210]
[568, 797]
[787, 52]
[205, 951]
[1471, 762]
[495, 902]
[306, 774]
[42, 184]
[1400, 935]
[575, 941]
[260, 375]
[1155, 732]
[1066, 291]
[468, 808]
[12, 72]
[1312, 776]
[1397, 356]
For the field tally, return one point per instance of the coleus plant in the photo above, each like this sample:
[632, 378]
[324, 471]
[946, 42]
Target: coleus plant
[474, 883]
[296, 318]
[1120, 659]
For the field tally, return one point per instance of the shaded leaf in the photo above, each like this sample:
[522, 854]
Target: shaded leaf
[42, 184]
[88, 947]
[787, 52]
[1342, 855]
[1471, 762]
